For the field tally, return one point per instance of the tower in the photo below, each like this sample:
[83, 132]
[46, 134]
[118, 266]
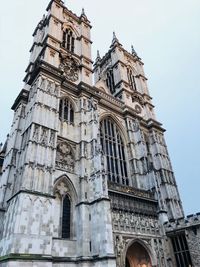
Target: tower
[86, 178]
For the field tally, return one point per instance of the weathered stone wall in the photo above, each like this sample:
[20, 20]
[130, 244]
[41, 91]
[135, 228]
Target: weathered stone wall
[1, 222]
[193, 239]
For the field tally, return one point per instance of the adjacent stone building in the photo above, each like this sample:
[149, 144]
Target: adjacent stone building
[86, 178]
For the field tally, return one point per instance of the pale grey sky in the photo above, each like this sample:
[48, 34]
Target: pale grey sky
[165, 35]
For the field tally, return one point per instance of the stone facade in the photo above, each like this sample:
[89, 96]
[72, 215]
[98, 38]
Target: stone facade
[86, 178]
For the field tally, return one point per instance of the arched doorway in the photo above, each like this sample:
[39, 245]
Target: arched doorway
[137, 256]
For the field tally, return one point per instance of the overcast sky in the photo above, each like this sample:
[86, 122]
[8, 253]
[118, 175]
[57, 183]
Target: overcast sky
[165, 34]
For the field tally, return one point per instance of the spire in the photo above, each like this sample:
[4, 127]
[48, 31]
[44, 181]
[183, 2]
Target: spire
[98, 58]
[115, 40]
[133, 51]
[83, 14]
[3, 150]
[98, 55]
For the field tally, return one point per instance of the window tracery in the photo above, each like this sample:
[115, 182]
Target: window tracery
[181, 250]
[110, 82]
[68, 40]
[66, 111]
[66, 199]
[113, 147]
[131, 79]
[65, 157]
[66, 217]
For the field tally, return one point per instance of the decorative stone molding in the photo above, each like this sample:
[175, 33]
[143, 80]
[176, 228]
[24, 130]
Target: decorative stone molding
[136, 97]
[43, 136]
[69, 67]
[46, 86]
[65, 157]
[133, 223]
[131, 191]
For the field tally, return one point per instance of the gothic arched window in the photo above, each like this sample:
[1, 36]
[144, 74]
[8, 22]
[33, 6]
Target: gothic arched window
[66, 217]
[110, 80]
[68, 40]
[113, 147]
[131, 79]
[66, 111]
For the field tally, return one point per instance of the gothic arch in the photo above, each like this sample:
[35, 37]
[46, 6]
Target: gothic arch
[70, 36]
[68, 97]
[146, 248]
[115, 150]
[68, 25]
[66, 181]
[121, 128]
[132, 68]
[64, 189]
[131, 75]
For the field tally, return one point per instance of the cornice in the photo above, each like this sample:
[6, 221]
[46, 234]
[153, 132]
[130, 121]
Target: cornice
[155, 124]
[85, 38]
[36, 193]
[78, 19]
[21, 98]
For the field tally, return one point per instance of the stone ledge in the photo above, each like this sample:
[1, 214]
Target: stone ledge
[192, 220]
[39, 257]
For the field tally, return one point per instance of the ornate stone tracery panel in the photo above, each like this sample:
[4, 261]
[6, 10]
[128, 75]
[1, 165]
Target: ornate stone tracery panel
[131, 222]
[70, 67]
[65, 157]
[134, 215]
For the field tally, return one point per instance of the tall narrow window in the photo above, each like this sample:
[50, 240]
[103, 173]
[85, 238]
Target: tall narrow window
[113, 147]
[66, 111]
[68, 40]
[66, 216]
[181, 250]
[131, 79]
[110, 80]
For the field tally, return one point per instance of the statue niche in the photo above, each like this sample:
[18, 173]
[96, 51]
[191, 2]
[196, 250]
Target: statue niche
[65, 157]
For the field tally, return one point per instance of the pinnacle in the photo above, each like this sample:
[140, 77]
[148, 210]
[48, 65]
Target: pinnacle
[98, 54]
[98, 58]
[83, 13]
[133, 50]
[115, 40]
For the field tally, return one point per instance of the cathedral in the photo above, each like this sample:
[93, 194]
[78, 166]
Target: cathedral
[85, 175]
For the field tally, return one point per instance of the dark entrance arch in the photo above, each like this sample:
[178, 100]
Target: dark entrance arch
[137, 256]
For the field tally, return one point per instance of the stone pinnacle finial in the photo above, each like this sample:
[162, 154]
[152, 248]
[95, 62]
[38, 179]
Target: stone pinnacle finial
[3, 149]
[83, 12]
[98, 54]
[98, 58]
[133, 50]
[115, 38]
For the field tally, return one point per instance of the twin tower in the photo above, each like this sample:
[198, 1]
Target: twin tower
[86, 179]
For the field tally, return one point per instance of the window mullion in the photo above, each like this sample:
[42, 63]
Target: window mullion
[109, 152]
[68, 111]
[118, 155]
[63, 108]
[113, 144]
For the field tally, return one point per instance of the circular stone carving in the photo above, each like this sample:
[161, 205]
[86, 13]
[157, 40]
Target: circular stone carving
[138, 109]
[69, 67]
